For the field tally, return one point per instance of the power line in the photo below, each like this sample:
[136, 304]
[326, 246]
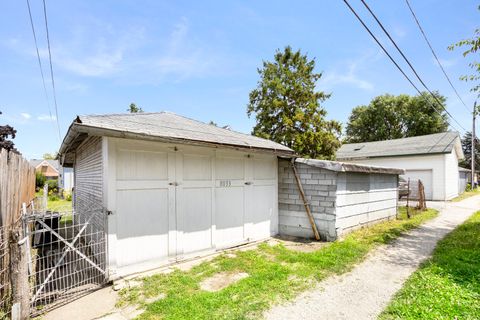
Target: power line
[435, 55]
[51, 69]
[409, 63]
[38, 57]
[390, 57]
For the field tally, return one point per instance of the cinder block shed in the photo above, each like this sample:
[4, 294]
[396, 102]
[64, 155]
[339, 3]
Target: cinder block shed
[341, 196]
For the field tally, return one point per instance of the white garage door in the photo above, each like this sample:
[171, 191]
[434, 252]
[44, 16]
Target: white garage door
[175, 201]
[427, 179]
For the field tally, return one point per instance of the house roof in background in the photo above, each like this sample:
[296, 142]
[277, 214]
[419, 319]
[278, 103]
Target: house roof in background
[421, 145]
[53, 163]
[166, 127]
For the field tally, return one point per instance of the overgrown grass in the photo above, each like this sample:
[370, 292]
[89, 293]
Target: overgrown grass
[467, 194]
[275, 274]
[447, 286]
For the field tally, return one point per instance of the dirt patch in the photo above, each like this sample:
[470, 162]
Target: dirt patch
[221, 280]
[298, 244]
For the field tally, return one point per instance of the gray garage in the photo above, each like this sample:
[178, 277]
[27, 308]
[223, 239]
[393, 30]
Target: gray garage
[341, 196]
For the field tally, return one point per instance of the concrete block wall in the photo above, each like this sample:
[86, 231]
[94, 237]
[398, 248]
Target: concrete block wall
[320, 186]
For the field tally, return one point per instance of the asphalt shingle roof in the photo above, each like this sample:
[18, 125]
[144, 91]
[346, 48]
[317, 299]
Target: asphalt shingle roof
[428, 144]
[172, 126]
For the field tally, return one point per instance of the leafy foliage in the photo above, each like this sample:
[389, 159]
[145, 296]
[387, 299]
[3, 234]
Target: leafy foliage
[287, 106]
[133, 108]
[49, 156]
[40, 179]
[472, 46]
[5, 132]
[392, 117]
[52, 185]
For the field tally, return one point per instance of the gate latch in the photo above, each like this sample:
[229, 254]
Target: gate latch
[173, 184]
[248, 183]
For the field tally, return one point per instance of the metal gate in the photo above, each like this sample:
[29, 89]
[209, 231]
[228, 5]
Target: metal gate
[67, 256]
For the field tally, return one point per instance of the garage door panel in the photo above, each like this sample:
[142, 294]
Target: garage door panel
[427, 178]
[264, 168]
[261, 215]
[197, 167]
[142, 228]
[196, 211]
[232, 168]
[142, 165]
[229, 219]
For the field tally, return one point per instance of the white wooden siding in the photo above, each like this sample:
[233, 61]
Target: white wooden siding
[451, 175]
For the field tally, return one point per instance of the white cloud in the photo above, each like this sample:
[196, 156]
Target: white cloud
[446, 63]
[46, 117]
[25, 115]
[349, 77]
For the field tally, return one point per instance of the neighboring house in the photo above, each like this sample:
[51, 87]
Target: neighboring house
[464, 177]
[66, 179]
[52, 170]
[49, 168]
[173, 188]
[431, 158]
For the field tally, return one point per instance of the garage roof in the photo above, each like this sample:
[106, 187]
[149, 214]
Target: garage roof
[437, 143]
[349, 167]
[161, 126]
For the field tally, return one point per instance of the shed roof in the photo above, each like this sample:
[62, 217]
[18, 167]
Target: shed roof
[437, 143]
[162, 126]
[338, 166]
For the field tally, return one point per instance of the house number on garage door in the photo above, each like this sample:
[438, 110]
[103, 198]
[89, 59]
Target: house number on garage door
[225, 183]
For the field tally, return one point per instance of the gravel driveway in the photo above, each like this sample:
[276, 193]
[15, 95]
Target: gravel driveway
[364, 292]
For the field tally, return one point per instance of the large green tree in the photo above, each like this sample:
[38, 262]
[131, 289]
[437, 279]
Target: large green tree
[391, 117]
[287, 106]
[472, 48]
[6, 133]
[467, 150]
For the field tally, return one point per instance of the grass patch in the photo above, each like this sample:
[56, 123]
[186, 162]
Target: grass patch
[447, 286]
[275, 274]
[467, 194]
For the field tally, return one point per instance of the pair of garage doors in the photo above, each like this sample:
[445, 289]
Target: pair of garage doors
[175, 200]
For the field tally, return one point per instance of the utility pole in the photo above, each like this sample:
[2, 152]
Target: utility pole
[473, 145]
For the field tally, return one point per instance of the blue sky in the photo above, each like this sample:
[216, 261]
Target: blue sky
[200, 58]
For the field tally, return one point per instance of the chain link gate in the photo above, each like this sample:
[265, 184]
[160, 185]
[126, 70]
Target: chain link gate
[67, 256]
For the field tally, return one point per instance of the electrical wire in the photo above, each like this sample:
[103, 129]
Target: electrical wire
[409, 63]
[391, 58]
[51, 70]
[435, 55]
[38, 57]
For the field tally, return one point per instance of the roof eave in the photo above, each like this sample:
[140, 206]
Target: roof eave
[78, 128]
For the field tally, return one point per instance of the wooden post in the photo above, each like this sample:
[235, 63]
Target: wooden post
[19, 274]
[408, 196]
[305, 203]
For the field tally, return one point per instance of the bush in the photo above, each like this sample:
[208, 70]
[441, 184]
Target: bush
[53, 197]
[68, 197]
[52, 185]
[468, 187]
[39, 180]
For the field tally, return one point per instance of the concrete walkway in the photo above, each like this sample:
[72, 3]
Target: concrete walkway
[364, 292]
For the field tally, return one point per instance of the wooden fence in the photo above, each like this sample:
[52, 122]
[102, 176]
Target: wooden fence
[17, 186]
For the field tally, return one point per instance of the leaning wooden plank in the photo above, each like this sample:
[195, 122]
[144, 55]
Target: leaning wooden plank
[305, 203]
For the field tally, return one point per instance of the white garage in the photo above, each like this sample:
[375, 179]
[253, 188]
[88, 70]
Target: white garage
[173, 187]
[431, 158]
